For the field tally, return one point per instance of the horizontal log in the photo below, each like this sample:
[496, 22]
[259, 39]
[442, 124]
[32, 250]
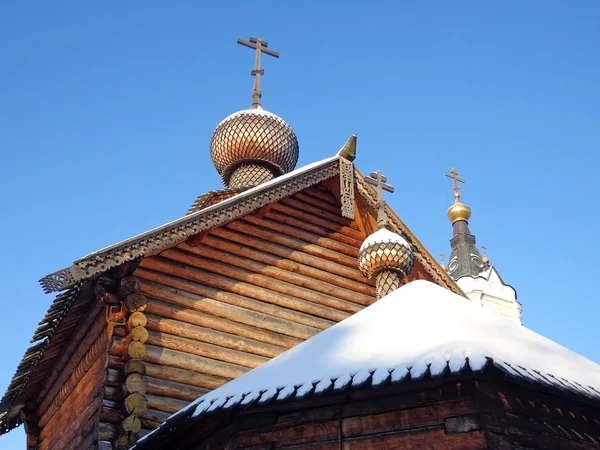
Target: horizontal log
[137, 350]
[185, 308]
[249, 284]
[184, 376]
[186, 330]
[115, 362]
[309, 226]
[173, 389]
[303, 215]
[135, 302]
[110, 415]
[139, 334]
[296, 244]
[291, 254]
[129, 285]
[215, 352]
[170, 405]
[136, 319]
[131, 424]
[318, 202]
[63, 370]
[118, 346]
[153, 418]
[225, 304]
[135, 366]
[136, 404]
[273, 255]
[291, 283]
[114, 377]
[106, 431]
[303, 235]
[136, 382]
[336, 218]
[182, 360]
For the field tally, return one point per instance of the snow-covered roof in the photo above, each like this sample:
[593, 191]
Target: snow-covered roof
[418, 328]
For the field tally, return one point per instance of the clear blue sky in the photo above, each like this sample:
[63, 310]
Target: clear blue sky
[107, 112]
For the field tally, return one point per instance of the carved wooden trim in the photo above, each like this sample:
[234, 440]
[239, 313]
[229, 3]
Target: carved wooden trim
[347, 188]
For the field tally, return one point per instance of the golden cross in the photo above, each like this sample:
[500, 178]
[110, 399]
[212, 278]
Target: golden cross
[484, 248]
[261, 47]
[442, 255]
[454, 175]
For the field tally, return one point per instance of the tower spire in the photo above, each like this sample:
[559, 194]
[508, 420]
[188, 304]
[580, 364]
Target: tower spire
[256, 43]
[465, 259]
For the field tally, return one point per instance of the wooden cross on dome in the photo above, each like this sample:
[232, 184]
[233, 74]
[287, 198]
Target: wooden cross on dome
[261, 47]
[378, 180]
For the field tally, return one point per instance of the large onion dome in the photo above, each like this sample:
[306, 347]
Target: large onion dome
[253, 146]
[385, 250]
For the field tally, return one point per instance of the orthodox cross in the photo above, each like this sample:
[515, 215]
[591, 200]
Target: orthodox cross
[484, 248]
[442, 256]
[378, 180]
[454, 175]
[261, 47]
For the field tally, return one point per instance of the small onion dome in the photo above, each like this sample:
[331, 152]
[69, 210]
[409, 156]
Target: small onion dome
[384, 250]
[485, 260]
[458, 211]
[254, 136]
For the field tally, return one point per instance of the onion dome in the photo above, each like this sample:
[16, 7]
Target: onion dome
[253, 146]
[458, 211]
[385, 250]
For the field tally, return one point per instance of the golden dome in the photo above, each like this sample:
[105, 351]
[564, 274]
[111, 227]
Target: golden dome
[485, 260]
[254, 137]
[458, 211]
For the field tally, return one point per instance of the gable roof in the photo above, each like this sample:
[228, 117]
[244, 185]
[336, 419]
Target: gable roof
[418, 329]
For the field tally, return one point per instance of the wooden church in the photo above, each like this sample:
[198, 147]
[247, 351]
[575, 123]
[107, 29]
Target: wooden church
[280, 272]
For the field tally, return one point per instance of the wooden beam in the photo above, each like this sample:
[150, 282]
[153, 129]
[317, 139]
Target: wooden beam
[170, 405]
[174, 389]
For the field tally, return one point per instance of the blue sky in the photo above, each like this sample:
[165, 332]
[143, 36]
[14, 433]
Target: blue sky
[107, 112]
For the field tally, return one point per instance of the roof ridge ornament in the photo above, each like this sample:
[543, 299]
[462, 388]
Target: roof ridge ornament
[256, 43]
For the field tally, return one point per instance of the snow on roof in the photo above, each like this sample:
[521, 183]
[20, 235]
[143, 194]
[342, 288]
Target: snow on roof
[417, 328]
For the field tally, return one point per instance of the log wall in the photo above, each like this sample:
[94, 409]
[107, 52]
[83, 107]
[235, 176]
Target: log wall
[71, 403]
[228, 300]
[467, 414]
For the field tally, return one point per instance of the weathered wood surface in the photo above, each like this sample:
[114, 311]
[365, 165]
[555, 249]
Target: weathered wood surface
[242, 294]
